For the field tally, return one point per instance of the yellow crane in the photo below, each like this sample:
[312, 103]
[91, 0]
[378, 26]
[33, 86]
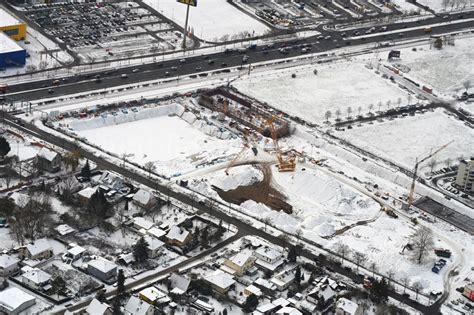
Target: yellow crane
[415, 171]
[284, 165]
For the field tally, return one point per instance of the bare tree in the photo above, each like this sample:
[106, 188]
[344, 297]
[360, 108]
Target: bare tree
[399, 101]
[359, 258]
[371, 107]
[409, 97]
[373, 268]
[379, 104]
[359, 109]
[390, 276]
[267, 221]
[389, 102]
[327, 115]
[422, 240]
[417, 287]
[150, 167]
[405, 281]
[448, 162]
[445, 4]
[432, 163]
[349, 111]
[338, 113]
[342, 249]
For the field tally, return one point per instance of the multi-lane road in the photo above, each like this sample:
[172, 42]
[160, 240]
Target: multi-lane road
[329, 39]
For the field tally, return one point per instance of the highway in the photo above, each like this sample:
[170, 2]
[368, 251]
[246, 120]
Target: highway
[220, 61]
[243, 227]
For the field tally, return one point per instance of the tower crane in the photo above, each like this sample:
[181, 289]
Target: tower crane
[284, 165]
[412, 187]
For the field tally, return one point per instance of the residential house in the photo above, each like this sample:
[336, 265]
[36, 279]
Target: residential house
[179, 284]
[126, 258]
[39, 249]
[156, 232]
[269, 258]
[240, 262]
[347, 307]
[153, 296]
[75, 252]
[64, 229]
[178, 236]
[136, 306]
[48, 160]
[288, 310]
[265, 285]
[155, 246]
[86, 194]
[109, 182]
[103, 270]
[283, 279]
[144, 199]
[8, 265]
[469, 291]
[98, 308]
[141, 223]
[37, 279]
[14, 300]
[322, 295]
[251, 289]
[220, 281]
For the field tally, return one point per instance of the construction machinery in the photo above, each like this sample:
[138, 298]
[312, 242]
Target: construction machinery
[234, 160]
[284, 164]
[415, 171]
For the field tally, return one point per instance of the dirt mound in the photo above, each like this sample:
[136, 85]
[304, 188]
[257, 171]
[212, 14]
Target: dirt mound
[261, 192]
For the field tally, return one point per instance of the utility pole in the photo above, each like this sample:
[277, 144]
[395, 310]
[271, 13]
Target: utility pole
[185, 33]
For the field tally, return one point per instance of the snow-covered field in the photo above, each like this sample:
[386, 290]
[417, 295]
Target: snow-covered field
[453, 66]
[439, 5]
[403, 140]
[211, 20]
[309, 96]
[177, 143]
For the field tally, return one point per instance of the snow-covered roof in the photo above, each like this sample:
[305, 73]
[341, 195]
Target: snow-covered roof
[265, 283]
[7, 44]
[153, 243]
[254, 290]
[281, 302]
[143, 223]
[37, 276]
[87, 192]
[143, 197]
[156, 232]
[12, 298]
[135, 306]
[64, 229]
[102, 264]
[110, 180]
[7, 261]
[347, 306]
[76, 250]
[127, 258]
[241, 258]
[270, 266]
[266, 308]
[324, 291]
[38, 247]
[47, 154]
[220, 279]
[269, 252]
[96, 307]
[288, 311]
[177, 233]
[6, 19]
[154, 295]
[180, 282]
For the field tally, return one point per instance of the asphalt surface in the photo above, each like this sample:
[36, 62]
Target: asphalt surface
[243, 227]
[42, 89]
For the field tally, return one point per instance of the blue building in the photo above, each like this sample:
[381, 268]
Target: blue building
[11, 54]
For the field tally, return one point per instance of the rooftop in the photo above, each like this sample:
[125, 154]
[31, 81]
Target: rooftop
[37, 276]
[6, 19]
[153, 243]
[136, 306]
[220, 279]
[47, 154]
[7, 44]
[241, 258]
[177, 233]
[347, 305]
[96, 307]
[143, 223]
[12, 298]
[38, 247]
[102, 264]
[7, 261]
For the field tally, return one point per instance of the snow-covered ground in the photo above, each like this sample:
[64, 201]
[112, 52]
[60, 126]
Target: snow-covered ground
[211, 20]
[403, 140]
[176, 144]
[453, 66]
[309, 96]
[449, 5]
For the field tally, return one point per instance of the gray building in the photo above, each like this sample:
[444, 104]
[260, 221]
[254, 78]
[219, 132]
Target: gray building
[465, 176]
[48, 160]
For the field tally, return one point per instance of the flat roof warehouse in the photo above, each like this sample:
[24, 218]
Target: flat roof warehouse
[6, 19]
[8, 45]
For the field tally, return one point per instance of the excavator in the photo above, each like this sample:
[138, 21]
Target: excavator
[415, 171]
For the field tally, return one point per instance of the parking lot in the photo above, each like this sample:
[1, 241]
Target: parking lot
[106, 31]
[308, 12]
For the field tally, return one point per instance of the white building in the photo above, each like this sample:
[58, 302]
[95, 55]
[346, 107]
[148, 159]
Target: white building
[13, 301]
[156, 232]
[347, 307]
[269, 258]
[39, 249]
[135, 306]
[98, 308]
[155, 246]
[220, 281]
[283, 279]
[144, 198]
[36, 279]
[465, 176]
[141, 223]
[8, 265]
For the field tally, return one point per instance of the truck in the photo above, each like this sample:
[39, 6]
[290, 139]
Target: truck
[3, 88]
[442, 252]
[427, 89]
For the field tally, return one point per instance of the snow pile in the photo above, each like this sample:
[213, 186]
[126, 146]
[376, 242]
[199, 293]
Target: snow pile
[238, 176]
[309, 96]
[211, 20]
